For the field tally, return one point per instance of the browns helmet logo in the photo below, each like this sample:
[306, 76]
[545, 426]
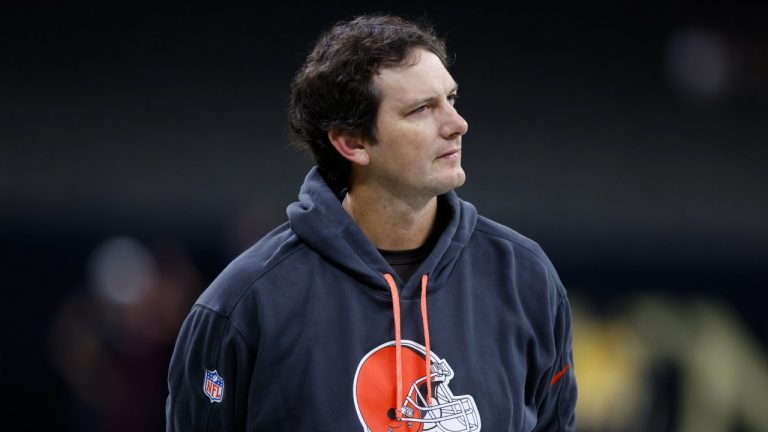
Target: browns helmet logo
[375, 399]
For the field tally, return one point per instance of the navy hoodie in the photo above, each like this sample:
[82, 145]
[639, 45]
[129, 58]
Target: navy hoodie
[303, 332]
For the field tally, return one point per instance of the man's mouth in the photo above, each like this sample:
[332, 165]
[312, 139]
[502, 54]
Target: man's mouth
[450, 154]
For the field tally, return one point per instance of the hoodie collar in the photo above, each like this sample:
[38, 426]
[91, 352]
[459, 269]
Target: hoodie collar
[321, 222]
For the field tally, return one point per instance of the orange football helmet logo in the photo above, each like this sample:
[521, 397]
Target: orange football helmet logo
[375, 399]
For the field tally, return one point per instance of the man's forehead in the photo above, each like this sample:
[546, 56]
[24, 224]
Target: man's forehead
[421, 75]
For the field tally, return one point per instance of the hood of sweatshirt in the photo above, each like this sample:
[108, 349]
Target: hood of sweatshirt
[322, 223]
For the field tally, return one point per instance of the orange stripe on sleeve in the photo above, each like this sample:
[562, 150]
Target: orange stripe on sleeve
[560, 374]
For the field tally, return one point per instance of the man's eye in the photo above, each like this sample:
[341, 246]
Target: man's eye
[421, 109]
[452, 98]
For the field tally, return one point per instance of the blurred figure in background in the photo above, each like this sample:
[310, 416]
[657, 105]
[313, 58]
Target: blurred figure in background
[662, 363]
[112, 341]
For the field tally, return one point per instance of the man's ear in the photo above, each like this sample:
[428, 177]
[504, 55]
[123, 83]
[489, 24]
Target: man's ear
[349, 146]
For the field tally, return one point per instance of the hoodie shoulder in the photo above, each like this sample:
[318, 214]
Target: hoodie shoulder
[240, 276]
[518, 243]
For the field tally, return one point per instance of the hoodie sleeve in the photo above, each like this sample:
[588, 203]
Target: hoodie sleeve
[209, 375]
[557, 409]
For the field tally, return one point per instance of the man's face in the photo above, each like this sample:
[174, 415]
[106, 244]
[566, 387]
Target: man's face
[418, 149]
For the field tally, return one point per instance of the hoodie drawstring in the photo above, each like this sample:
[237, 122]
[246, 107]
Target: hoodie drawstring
[398, 342]
[425, 322]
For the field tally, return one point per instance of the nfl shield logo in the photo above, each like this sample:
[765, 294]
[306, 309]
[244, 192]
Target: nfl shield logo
[213, 387]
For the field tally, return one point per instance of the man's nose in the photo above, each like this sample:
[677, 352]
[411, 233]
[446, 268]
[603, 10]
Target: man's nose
[454, 124]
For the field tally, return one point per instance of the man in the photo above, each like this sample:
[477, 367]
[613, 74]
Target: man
[385, 303]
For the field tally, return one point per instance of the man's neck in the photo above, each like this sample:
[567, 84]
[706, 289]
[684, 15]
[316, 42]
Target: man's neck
[388, 222]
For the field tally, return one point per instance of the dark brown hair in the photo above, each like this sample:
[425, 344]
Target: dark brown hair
[334, 89]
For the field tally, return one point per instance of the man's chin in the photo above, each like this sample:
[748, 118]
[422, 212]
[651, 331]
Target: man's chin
[456, 181]
[460, 178]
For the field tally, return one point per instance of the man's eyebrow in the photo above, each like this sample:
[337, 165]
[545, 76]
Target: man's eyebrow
[421, 101]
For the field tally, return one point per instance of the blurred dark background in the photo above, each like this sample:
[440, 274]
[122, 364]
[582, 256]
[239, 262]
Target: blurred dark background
[631, 143]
